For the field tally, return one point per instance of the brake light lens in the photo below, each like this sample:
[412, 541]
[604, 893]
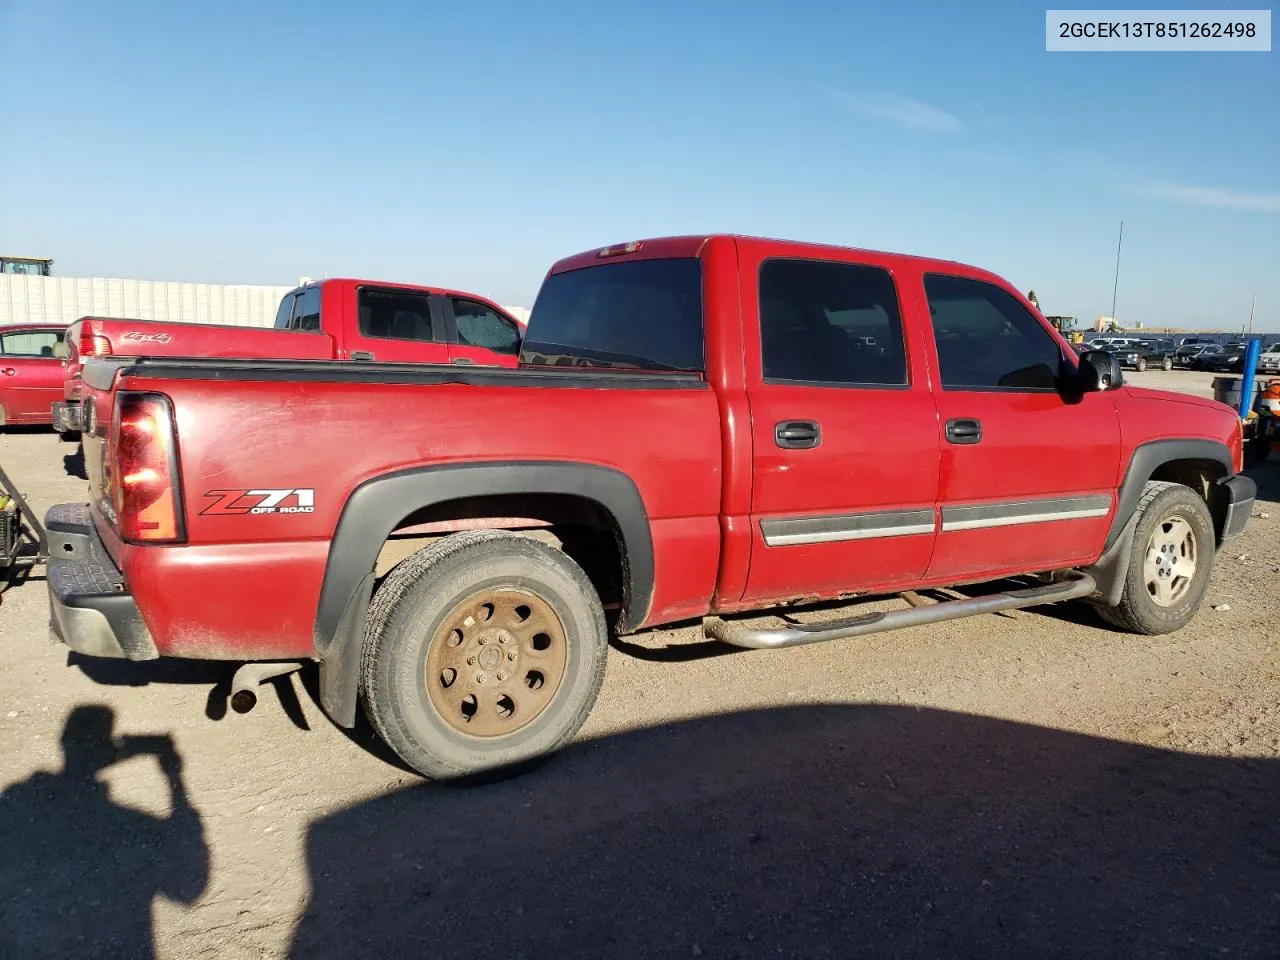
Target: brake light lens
[93, 344]
[619, 249]
[143, 473]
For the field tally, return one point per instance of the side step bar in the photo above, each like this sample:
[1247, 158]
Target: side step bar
[1070, 587]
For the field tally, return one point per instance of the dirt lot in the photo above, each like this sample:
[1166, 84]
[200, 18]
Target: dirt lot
[1006, 786]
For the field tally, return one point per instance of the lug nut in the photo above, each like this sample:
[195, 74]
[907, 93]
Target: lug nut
[483, 641]
[481, 678]
[471, 661]
[503, 675]
[511, 655]
[504, 639]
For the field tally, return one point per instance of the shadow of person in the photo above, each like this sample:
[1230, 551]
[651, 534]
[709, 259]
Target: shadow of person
[816, 831]
[79, 872]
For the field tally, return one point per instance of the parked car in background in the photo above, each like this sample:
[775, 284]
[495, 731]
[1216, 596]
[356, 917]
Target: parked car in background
[1142, 354]
[1228, 358]
[680, 433]
[30, 372]
[1269, 359]
[1187, 352]
[335, 319]
[1194, 341]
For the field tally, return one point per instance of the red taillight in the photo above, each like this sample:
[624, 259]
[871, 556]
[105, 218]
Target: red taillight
[93, 344]
[143, 472]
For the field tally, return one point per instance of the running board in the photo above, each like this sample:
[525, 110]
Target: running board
[1070, 587]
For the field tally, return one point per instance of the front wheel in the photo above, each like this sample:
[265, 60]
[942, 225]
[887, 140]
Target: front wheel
[485, 649]
[1172, 559]
[1141, 365]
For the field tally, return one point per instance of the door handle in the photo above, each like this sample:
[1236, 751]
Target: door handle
[462, 360]
[361, 355]
[797, 434]
[9, 372]
[964, 431]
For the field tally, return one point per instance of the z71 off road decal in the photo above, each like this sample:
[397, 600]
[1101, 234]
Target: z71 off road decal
[239, 503]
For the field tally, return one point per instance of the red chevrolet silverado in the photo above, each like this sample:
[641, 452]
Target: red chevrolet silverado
[700, 428]
[327, 320]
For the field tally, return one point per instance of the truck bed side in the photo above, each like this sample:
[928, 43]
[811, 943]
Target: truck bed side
[265, 515]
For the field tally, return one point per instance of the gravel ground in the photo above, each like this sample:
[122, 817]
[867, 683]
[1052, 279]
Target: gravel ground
[1006, 786]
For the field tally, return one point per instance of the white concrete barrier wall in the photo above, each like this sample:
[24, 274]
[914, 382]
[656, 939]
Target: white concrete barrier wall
[26, 299]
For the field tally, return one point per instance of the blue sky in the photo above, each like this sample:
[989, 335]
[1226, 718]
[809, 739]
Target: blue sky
[472, 144]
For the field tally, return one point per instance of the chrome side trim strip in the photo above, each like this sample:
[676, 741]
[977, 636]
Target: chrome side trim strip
[983, 515]
[794, 531]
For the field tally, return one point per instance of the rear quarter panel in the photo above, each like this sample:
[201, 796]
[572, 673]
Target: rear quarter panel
[248, 585]
[142, 338]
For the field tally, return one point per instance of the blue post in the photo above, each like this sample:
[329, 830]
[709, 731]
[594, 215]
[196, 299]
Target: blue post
[1249, 368]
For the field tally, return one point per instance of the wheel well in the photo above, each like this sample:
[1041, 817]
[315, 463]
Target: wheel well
[1201, 476]
[581, 527]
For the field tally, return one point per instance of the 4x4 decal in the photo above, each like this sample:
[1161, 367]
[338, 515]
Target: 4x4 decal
[239, 503]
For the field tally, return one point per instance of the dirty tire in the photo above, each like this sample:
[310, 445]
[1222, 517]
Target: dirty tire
[1167, 364]
[1141, 365]
[412, 607]
[1138, 611]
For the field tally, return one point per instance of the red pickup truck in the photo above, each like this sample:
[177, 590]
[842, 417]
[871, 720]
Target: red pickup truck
[701, 427]
[30, 371]
[333, 319]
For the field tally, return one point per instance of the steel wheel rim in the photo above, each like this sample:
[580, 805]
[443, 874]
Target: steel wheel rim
[496, 662]
[1170, 563]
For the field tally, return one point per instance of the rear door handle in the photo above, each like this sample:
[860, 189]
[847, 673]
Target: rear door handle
[9, 372]
[797, 434]
[361, 355]
[462, 360]
[964, 431]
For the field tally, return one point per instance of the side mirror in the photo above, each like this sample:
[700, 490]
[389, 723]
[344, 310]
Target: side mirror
[1099, 371]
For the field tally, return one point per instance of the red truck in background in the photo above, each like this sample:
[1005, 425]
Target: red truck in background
[701, 427]
[334, 319]
[30, 371]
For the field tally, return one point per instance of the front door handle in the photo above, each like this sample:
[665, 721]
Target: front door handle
[9, 372]
[964, 431]
[361, 354]
[462, 360]
[797, 434]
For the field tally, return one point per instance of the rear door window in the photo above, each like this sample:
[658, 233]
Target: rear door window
[640, 314]
[827, 322]
[306, 312]
[396, 315]
[285, 311]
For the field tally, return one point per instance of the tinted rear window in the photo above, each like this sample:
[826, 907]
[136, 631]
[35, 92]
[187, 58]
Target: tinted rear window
[643, 314]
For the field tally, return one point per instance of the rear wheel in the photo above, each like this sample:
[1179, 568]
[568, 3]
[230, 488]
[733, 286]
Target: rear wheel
[1168, 363]
[1172, 560]
[485, 649]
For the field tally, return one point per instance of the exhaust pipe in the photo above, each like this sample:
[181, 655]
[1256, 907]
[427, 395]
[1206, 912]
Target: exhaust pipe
[1072, 585]
[244, 685]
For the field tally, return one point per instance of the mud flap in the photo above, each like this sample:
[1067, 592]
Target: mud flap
[340, 666]
[1109, 572]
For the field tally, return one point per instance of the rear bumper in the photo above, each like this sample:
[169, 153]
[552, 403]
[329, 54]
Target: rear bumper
[90, 608]
[66, 416]
[1239, 493]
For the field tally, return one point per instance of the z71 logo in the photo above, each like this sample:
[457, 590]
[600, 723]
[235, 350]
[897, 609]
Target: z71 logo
[239, 503]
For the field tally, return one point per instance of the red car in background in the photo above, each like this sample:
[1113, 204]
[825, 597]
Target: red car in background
[30, 371]
[335, 319]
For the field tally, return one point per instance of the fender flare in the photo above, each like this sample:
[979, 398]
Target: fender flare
[1109, 570]
[1150, 457]
[378, 505]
